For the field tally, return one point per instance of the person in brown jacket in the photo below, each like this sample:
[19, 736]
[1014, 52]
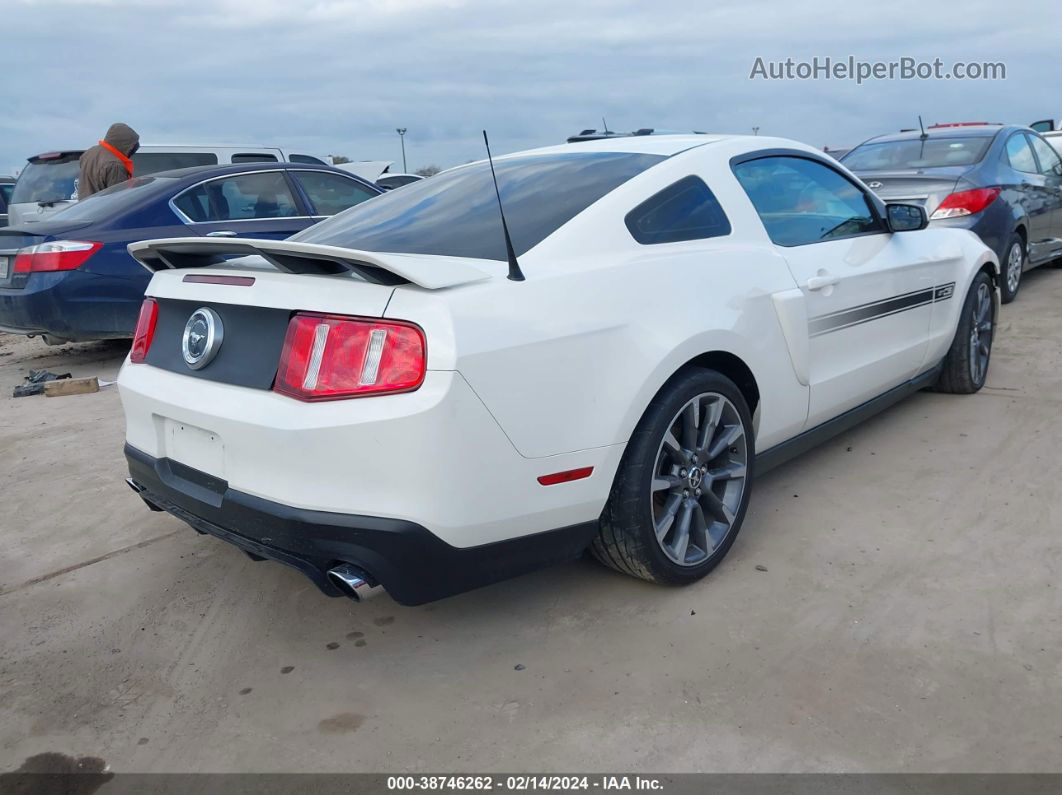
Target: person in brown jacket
[109, 162]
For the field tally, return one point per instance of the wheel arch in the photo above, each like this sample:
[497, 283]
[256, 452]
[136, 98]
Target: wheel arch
[734, 368]
[723, 362]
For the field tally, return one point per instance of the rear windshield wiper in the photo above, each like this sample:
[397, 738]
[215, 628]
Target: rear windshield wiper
[50, 202]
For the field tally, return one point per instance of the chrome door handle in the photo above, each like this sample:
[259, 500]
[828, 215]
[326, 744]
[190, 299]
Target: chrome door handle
[819, 282]
[223, 233]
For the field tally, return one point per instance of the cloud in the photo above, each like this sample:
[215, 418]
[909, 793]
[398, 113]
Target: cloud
[338, 76]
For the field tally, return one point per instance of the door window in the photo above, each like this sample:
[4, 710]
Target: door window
[1019, 155]
[1049, 161]
[330, 193]
[802, 201]
[240, 198]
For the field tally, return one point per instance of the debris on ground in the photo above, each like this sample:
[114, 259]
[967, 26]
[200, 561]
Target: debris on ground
[760, 567]
[71, 386]
[35, 382]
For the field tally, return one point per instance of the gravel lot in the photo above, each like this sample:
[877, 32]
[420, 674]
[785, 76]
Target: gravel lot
[909, 618]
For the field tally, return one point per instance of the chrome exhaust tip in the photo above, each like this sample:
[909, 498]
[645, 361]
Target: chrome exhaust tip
[353, 582]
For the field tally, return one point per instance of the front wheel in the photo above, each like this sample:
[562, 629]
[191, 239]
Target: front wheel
[683, 485]
[966, 365]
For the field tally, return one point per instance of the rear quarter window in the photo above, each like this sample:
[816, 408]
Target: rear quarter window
[687, 210]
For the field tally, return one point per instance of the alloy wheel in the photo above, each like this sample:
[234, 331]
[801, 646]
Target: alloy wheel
[699, 479]
[981, 333]
[1015, 260]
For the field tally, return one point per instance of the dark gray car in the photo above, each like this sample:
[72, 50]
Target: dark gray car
[1003, 182]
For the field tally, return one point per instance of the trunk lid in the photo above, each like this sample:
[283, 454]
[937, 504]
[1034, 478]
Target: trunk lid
[255, 306]
[927, 187]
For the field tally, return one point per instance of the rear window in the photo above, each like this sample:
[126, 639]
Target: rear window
[456, 213]
[5, 191]
[145, 163]
[915, 154]
[112, 200]
[48, 180]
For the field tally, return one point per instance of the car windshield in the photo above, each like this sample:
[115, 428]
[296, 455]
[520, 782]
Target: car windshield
[112, 200]
[46, 181]
[456, 213]
[916, 154]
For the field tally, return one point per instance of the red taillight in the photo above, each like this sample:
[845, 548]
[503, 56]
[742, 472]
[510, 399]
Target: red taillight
[145, 330]
[329, 357]
[965, 202]
[59, 255]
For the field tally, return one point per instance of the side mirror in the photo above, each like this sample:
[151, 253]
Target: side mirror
[906, 217]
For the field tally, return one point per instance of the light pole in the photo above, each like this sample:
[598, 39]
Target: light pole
[402, 137]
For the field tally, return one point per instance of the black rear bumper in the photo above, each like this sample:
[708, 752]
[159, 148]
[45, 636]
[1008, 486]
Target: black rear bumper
[413, 565]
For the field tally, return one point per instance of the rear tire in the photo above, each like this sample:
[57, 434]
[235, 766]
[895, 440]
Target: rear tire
[1011, 269]
[966, 365]
[683, 485]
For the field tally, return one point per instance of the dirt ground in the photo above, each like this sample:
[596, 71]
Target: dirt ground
[909, 617]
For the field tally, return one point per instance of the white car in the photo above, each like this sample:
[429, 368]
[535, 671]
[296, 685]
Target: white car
[389, 399]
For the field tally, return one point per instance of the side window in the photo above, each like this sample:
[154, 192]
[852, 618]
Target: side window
[254, 157]
[240, 198]
[1019, 155]
[330, 193]
[687, 210]
[803, 201]
[307, 159]
[1049, 161]
[152, 162]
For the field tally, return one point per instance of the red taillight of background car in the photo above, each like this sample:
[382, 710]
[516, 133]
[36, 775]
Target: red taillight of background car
[59, 255]
[145, 330]
[331, 357]
[965, 202]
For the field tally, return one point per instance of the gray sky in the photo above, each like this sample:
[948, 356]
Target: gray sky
[337, 76]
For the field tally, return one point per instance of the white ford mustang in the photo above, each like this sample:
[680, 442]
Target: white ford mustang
[382, 401]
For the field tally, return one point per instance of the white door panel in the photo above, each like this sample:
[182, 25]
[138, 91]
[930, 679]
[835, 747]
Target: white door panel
[869, 304]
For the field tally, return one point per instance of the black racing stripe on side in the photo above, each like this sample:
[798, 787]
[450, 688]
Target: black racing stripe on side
[871, 303]
[869, 319]
[867, 312]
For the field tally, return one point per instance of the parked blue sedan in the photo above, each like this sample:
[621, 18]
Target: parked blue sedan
[70, 278]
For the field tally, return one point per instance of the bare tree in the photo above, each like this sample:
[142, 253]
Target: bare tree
[337, 159]
[428, 171]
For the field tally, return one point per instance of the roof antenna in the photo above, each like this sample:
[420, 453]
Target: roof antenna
[604, 124]
[515, 274]
[923, 136]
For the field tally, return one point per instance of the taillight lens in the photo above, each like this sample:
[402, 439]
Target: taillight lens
[145, 330]
[965, 202]
[330, 357]
[59, 255]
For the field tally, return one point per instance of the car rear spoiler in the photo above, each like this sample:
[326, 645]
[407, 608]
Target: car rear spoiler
[428, 271]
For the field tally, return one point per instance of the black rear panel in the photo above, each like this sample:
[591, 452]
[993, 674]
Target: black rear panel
[250, 349]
